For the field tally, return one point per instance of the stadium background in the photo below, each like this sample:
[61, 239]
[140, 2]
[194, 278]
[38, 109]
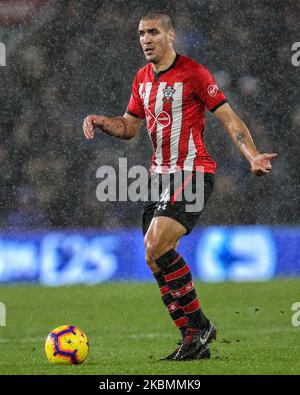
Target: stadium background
[69, 59]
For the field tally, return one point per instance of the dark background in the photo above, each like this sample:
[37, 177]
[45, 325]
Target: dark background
[68, 59]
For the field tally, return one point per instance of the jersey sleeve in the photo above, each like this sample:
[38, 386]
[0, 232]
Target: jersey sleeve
[135, 106]
[207, 89]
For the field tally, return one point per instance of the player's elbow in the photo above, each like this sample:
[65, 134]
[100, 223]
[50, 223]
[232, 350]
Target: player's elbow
[230, 126]
[132, 126]
[233, 125]
[130, 134]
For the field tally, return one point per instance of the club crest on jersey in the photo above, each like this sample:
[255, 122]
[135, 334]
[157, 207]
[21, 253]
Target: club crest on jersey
[168, 94]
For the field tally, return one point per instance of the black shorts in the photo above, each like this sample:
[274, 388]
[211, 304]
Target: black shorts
[171, 203]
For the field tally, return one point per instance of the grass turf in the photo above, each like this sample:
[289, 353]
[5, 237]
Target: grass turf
[129, 330]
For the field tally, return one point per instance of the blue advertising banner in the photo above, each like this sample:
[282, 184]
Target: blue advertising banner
[240, 253]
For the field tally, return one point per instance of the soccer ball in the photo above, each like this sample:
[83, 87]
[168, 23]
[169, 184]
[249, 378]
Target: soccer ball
[67, 345]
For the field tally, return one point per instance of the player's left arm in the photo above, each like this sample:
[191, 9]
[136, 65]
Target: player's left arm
[260, 163]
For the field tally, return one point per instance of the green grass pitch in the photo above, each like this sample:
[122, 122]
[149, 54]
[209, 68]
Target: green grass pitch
[129, 329]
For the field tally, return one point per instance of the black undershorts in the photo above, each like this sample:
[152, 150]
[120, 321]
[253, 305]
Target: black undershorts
[176, 198]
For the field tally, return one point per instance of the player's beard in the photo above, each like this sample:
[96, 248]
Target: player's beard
[155, 58]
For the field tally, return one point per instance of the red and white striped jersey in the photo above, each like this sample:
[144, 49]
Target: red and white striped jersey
[173, 102]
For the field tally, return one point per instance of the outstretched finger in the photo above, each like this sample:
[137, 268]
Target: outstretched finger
[271, 156]
[89, 133]
[89, 123]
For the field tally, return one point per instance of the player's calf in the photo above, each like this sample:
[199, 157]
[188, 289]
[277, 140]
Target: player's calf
[179, 280]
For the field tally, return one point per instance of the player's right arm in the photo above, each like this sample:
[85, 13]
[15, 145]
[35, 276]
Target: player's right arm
[125, 127]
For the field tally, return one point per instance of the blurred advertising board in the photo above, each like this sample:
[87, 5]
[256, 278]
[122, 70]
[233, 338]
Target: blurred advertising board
[240, 253]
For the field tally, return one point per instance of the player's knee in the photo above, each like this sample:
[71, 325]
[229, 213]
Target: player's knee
[152, 264]
[151, 249]
[156, 248]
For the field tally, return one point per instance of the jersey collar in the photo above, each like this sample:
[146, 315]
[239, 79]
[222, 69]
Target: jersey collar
[160, 73]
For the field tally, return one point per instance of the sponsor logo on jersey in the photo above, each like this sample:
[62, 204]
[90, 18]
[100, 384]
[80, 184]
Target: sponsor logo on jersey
[212, 90]
[162, 119]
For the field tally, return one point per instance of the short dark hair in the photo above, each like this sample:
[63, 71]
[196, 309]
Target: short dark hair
[159, 14]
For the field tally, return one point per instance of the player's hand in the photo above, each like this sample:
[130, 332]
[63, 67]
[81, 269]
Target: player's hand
[261, 165]
[89, 123]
